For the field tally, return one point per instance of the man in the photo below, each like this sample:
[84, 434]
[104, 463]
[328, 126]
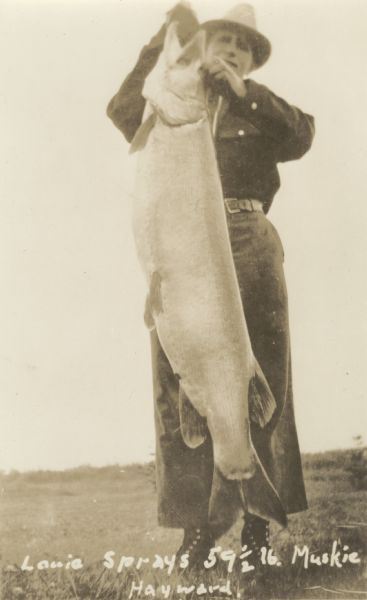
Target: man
[254, 130]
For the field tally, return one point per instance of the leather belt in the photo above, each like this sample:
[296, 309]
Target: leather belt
[236, 205]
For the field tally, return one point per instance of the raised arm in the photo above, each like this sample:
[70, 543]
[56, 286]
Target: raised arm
[126, 108]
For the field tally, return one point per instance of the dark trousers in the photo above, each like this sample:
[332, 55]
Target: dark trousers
[184, 475]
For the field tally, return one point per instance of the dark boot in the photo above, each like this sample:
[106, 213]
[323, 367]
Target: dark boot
[196, 544]
[255, 535]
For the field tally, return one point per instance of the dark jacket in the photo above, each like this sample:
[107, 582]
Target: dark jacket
[254, 134]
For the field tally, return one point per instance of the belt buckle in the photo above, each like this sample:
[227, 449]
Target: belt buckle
[232, 205]
[251, 205]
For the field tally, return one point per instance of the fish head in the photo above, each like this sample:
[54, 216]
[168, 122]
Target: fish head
[174, 88]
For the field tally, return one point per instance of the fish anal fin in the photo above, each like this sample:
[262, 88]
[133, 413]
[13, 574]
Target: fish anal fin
[261, 400]
[193, 426]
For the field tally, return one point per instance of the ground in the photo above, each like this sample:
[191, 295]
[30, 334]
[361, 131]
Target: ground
[86, 512]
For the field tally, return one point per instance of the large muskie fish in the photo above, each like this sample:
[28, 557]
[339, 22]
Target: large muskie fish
[183, 246]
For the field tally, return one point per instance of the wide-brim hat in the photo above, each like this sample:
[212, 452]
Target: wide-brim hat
[241, 18]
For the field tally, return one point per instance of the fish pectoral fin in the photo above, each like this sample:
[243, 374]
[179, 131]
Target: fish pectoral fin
[148, 316]
[193, 426]
[261, 400]
[140, 138]
[153, 302]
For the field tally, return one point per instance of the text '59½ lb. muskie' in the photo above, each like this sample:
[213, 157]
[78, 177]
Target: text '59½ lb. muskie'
[183, 246]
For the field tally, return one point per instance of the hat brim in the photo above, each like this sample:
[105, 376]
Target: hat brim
[260, 45]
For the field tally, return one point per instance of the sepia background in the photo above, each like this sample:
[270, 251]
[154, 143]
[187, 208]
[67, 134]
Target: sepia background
[74, 353]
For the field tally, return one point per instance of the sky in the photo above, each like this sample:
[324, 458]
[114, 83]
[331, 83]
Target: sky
[75, 377]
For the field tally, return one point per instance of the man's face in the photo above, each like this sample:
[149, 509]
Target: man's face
[232, 48]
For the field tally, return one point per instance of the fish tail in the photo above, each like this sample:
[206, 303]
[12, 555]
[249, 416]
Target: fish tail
[261, 400]
[260, 497]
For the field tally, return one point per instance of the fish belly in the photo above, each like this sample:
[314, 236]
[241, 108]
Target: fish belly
[183, 246]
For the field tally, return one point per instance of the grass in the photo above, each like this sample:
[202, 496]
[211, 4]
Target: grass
[85, 512]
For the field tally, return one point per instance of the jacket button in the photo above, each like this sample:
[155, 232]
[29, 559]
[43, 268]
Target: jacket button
[254, 106]
[241, 132]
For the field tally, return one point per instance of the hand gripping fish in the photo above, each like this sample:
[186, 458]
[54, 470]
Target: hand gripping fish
[183, 246]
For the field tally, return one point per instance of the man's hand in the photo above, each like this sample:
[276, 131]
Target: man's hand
[219, 70]
[187, 23]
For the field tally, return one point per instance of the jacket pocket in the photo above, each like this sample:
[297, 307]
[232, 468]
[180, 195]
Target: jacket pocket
[233, 127]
